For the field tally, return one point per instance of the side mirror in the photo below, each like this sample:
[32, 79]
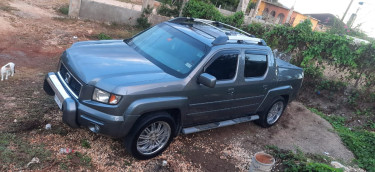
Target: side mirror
[207, 80]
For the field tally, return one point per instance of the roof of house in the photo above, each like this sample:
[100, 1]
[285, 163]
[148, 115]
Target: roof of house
[324, 18]
[276, 4]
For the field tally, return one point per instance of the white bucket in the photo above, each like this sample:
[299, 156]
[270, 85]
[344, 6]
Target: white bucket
[261, 162]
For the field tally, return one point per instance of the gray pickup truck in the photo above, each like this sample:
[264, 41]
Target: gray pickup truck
[181, 76]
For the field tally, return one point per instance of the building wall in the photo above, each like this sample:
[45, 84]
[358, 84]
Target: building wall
[298, 18]
[262, 5]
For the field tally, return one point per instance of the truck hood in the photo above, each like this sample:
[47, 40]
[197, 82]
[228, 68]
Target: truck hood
[108, 64]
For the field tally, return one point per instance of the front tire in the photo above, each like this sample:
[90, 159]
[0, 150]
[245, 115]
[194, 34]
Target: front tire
[273, 113]
[150, 136]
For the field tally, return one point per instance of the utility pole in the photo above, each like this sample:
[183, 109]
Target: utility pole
[353, 16]
[350, 4]
[291, 10]
[256, 8]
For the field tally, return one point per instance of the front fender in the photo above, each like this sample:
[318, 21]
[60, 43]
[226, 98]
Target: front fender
[143, 106]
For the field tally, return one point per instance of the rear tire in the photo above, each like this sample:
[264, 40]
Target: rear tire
[273, 113]
[150, 136]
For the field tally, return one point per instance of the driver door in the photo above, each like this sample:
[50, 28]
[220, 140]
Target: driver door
[214, 104]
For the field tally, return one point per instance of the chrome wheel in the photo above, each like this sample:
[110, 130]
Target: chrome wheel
[275, 112]
[153, 138]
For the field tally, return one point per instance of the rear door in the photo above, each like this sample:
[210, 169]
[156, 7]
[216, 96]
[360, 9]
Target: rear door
[255, 79]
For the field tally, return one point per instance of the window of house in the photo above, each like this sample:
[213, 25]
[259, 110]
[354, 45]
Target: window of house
[255, 65]
[224, 67]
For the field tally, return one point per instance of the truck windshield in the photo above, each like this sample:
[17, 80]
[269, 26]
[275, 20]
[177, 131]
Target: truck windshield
[170, 49]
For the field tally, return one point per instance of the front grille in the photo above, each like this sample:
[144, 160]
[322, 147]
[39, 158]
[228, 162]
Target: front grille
[68, 78]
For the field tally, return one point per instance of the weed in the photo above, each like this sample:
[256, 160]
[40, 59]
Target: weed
[64, 167]
[127, 163]
[365, 112]
[360, 142]
[64, 9]
[103, 36]
[77, 158]
[332, 85]
[85, 143]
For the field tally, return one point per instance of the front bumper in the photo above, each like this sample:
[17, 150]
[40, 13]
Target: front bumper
[76, 114]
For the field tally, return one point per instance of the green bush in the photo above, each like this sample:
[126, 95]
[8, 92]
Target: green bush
[257, 29]
[142, 22]
[164, 10]
[169, 8]
[203, 10]
[311, 49]
[64, 9]
[103, 36]
[331, 85]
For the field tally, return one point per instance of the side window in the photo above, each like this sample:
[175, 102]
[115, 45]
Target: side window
[224, 67]
[255, 65]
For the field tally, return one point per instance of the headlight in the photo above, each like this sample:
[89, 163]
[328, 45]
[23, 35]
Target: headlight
[105, 97]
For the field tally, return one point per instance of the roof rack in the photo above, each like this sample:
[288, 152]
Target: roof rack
[237, 35]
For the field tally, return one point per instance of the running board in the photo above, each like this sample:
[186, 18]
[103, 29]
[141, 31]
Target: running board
[210, 126]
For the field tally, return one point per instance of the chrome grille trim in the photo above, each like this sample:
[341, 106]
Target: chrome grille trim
[66, 84]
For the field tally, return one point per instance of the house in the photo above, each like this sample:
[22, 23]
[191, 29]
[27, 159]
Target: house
[326, 21]
[278, 13]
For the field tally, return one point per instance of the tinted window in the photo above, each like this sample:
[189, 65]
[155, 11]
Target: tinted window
[224, 67]
[255, 65]
[170, 49]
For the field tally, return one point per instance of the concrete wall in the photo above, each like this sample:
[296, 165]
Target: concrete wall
[74, 6]
[105, 12]
[225, 12]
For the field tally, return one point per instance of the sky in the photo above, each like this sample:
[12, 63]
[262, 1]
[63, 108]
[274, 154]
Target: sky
[365, 15]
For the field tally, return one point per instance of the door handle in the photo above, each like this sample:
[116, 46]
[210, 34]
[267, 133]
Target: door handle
[265, 87]
[230, 91]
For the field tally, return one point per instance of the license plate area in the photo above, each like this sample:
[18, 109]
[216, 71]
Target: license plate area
[58, 102]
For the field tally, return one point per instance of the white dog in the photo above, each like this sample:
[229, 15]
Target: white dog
[7, 70]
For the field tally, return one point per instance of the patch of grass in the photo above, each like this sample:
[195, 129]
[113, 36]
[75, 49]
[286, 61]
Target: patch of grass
[64, 9]
[103, 36]
[360, 142]
[64, 167]
[84, 159]
[85, 143]
[299, 161]
[127, 163]
[18, 152]
[77, 158]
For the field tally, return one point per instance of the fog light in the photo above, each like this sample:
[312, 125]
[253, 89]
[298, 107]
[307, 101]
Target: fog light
[94, 128]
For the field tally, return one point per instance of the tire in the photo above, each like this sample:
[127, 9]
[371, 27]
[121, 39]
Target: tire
[265, 118]
[146, 135]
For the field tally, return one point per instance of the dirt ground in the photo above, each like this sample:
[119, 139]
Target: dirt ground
[33, 35]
